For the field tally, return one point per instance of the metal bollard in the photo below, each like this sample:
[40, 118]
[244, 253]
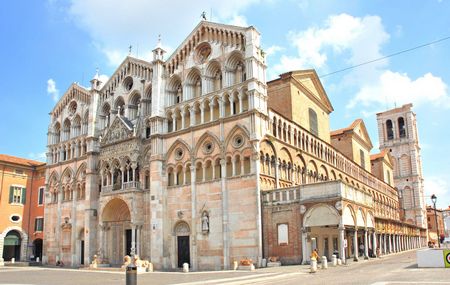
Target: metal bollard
[313, 267]
[131, 274]
[324, 262]
[333, 260]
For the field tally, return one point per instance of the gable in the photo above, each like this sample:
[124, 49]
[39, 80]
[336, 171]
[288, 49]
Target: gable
[309, 82]
[120, 129]
[360, 130]
[224, 35]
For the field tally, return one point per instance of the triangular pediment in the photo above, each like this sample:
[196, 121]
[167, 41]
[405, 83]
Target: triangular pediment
[121, 129]
[361, 130]
[310, 82]
[207, 32]
[74, 92]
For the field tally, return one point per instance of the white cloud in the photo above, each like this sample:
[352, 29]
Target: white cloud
[114, 25]
[238, 20]
[273, 49]
[362, 38]
[439, 186]
[52, 90]
[41, 156]
[398, 88]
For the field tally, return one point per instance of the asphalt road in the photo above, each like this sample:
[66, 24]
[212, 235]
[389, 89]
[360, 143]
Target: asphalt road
[391, 270]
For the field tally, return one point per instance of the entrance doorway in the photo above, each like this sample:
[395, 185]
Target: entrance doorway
[183, 250]
[128, 242]
[37, 244]
[11, 247]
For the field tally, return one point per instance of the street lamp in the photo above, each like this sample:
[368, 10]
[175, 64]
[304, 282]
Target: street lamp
[433, 199]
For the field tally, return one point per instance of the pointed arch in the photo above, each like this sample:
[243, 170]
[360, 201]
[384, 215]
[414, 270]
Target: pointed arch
[177, 143]
[205, 136]
[237, 128]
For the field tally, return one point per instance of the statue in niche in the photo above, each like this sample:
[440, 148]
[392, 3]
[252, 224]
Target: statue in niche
[205, 222]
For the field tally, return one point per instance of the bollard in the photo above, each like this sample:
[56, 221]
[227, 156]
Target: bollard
[185, 267]
[131, 274]
[324, 262]
[339, 261]
[13, 260]
[264, 262]
[313, 267]
[37, 259]
[333, 260]
[235, 265]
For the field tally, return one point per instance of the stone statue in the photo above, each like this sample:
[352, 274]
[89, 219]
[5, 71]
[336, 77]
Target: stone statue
[205, 222]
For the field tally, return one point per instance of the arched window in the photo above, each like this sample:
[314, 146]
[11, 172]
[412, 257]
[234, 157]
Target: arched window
[313, 126]
[401, 127]
[389, 130]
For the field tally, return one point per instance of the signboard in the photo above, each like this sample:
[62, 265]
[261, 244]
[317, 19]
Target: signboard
[345, 242]
[446, 257]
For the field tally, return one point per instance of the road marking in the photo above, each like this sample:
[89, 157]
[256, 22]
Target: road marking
[409, 282]
[250, 279]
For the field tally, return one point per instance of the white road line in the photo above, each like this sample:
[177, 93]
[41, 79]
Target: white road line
[231, 279]
[409, 282]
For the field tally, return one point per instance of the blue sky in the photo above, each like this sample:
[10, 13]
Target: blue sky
[47, 45]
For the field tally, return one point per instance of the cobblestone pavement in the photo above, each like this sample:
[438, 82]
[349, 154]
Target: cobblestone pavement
[395, 269]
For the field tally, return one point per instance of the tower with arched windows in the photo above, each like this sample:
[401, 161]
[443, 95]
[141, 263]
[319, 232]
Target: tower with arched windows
[397, 130]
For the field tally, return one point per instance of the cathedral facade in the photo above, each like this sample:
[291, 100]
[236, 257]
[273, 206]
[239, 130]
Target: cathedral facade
[198, 159]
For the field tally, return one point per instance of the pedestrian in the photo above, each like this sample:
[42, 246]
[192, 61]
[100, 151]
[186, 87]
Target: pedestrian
[315, 254]
[361, 249]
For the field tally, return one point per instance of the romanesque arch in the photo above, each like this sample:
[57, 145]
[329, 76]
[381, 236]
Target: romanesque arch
[321, 215]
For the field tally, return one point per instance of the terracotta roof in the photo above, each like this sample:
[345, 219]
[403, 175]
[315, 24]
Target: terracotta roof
[20, 161]
[381, 154]
[349, 128]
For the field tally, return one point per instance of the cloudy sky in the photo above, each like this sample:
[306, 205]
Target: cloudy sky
[47, 45]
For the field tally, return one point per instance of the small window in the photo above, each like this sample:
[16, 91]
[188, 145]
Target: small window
[18, 171]
[147, 132]
[401, 127]
[283, 238]
[389, 130]
[17, 195]
[363, 161]
[313, 124]
[38, 224]
[41, 196]
[15, 218]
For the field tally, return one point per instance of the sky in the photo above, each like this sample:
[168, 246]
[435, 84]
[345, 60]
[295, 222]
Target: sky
[47, 45]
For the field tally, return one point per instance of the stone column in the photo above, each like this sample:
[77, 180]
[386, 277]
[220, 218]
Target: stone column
[211, 111]
[366, 245]
[192, 115]
[277, 174]
[174, 122]
[304, 240]
[374, 245]
[355, 245]
[194, 218]
[226, 249]
[74, 226]
[202, 112]
[182, 114]
[342, 242]
[133, 239]
[384, 244]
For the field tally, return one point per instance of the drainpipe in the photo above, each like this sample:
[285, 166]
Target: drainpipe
[1, 184]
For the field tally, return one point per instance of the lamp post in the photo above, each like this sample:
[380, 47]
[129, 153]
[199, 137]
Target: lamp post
[433, 199]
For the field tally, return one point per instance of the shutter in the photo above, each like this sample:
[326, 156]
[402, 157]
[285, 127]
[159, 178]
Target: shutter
[36, 225]
[11, 194]
[24, 197]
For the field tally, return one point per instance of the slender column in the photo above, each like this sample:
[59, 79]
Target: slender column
[366, 245]
[355, 245]
[342, 242]
[394, 248]
[122, 169]
[226, 249]
[182, 114]
[211, 111]
[133, 239]
[202, 113]
[374, 245]
[174, 122]
[277, 174]
[240, 101]
[192, 115]
[384, 244]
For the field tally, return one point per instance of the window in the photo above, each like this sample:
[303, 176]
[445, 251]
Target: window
[41, 196]
[361, 157]
[401, 127]
[389, 130]
[283, 238]
[388, 177]
[17, 195]
[313, 128]
[38, 224]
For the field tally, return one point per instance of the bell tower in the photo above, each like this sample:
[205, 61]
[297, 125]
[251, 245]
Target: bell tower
[398, 134]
